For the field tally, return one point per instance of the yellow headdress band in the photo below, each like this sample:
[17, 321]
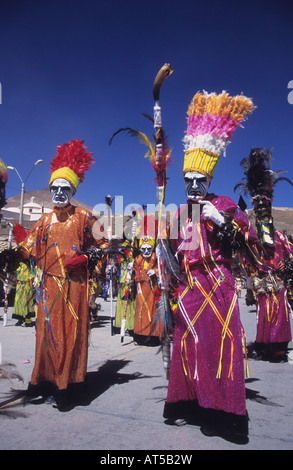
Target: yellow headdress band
[202, 161]
[148, 240]
[67, 174]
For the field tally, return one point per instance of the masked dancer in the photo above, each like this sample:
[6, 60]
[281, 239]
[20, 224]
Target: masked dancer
[207, 376]
[61, 244]
[148, 327]
[269, 285]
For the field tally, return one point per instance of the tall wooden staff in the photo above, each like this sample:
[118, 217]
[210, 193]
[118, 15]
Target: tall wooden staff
[108, 201]
[160, 164]
[161, 154]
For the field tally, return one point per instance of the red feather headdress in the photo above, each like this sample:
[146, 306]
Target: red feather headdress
[71, 162]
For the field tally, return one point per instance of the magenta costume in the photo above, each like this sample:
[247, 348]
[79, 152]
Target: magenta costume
[273, 310]
[207, 367]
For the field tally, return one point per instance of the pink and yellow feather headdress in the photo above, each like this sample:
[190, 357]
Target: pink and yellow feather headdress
[211, 123]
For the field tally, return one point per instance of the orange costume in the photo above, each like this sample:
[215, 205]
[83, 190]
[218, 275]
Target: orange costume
[147, 328]
[61, 244]
[63, 309]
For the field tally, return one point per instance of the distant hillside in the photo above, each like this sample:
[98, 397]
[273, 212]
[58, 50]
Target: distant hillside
[283, 219]
[283, 216]
[42, 197]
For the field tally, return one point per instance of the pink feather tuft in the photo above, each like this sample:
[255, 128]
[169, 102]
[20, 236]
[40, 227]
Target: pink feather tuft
[212, 124]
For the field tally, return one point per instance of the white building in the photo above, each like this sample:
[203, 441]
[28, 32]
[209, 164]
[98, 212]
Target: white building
[32, 211]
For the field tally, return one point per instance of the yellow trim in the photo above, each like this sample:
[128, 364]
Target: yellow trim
[69, 304]
[202, 161]
[146, 239]
[66, 173]
[60, 261]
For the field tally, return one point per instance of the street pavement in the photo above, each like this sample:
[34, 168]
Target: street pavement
[127, 390]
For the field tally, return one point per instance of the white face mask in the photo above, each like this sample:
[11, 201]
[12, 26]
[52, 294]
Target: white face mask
[61, 192]
[196, 185]
[146, 250]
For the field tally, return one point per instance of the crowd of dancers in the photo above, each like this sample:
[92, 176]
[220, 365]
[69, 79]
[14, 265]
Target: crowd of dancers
[177, 292]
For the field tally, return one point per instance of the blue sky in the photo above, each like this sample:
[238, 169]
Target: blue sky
[85, 68]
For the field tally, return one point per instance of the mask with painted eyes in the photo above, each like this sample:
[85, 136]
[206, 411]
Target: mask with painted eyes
[146, 250]
[196, 185]
[61, 192]
[262, 207]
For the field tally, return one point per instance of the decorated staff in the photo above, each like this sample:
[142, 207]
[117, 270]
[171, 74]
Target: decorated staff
[159, 160]
[162, 153]
[159, 156]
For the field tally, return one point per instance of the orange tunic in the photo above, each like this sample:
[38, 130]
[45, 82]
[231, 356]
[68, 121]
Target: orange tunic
[63, 309]
[146, 323]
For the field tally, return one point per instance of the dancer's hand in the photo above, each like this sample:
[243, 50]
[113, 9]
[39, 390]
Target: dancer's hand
[209, 211]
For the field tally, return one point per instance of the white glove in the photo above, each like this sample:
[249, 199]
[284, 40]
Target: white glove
[151, 272]
[210, 212]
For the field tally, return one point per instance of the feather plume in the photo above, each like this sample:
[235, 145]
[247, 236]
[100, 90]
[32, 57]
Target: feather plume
[13, 398]
[169, 260]
[169, 320]
[140, 135]
[166, 151]
[159, 166]
[213, 119]
[259, 179]
[165, 314]
[7, 372]
[73, 155]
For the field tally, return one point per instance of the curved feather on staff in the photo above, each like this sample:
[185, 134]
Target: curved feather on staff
[135, 133]
[166, 264]
[151, 153]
